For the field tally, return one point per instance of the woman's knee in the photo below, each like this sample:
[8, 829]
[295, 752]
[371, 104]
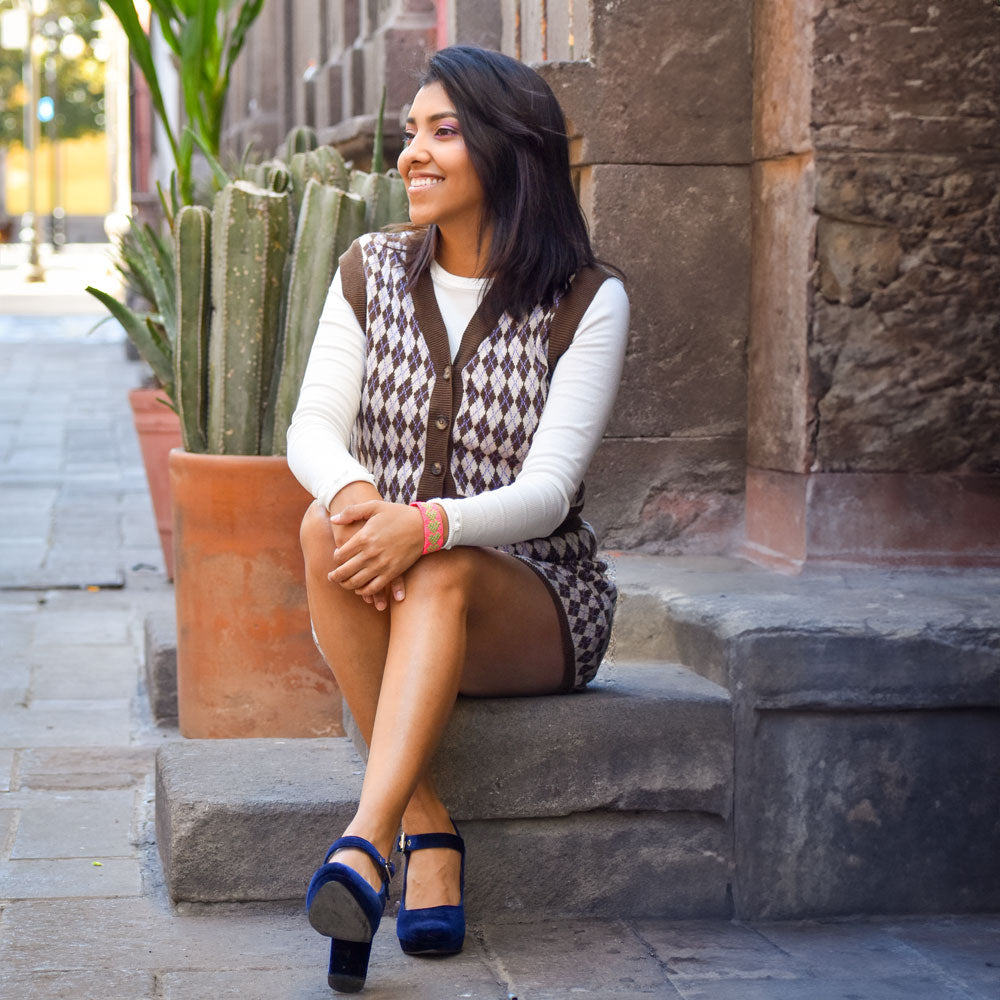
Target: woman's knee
[440, 575]
[316, 538]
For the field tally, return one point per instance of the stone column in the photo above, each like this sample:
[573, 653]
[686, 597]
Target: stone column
[660, 115]
[874, 361]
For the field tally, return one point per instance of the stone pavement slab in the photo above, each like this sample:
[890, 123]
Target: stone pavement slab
[87, 824]
[72, 984]
[712, 950]
[82, 671]
[65, 878]
[75, 722]
[6, 769]
[967, 947]
[604, 959]
[84, 767]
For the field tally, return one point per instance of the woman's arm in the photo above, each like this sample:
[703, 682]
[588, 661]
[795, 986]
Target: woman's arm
[320, 433]
[576, 413]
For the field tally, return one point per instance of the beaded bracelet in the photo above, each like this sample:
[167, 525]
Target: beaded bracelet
[433, 526]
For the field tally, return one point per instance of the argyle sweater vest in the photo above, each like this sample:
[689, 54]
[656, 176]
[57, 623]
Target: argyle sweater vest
[429, 426]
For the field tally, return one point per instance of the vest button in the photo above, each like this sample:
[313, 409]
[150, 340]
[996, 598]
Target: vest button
[446, 374]
[436, 469]
[441, 424]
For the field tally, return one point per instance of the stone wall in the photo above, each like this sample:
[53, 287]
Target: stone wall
[874, 410]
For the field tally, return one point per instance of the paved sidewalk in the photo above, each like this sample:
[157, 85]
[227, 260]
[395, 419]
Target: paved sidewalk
[83, 910]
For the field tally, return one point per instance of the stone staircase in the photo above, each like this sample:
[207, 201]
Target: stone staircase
[830, 745]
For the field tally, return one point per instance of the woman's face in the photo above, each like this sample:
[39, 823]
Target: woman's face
[441, 183]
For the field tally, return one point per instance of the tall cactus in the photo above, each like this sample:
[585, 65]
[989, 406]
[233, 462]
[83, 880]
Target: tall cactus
[251, 230]
[192, 263]
[329, 221]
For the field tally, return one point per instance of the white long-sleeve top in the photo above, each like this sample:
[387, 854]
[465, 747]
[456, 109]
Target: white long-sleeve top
[581, 396]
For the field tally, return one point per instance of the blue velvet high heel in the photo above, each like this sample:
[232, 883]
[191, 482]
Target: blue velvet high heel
[432, 930]
[343, 906]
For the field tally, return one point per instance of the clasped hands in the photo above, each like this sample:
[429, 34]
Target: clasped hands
[376, 542]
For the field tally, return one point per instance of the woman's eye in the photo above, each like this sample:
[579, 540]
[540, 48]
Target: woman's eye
[407, 138]
[446, 130]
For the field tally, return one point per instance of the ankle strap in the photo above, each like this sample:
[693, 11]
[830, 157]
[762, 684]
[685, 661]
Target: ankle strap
[420, 841]
[387, 868]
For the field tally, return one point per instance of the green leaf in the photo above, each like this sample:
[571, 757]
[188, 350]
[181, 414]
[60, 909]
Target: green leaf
[124, 10]
[138, 332]
[377, 142]
[222, 178]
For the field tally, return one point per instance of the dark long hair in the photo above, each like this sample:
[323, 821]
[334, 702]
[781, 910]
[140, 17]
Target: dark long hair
[515, 133]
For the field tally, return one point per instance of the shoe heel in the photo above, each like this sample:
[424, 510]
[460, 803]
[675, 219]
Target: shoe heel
[348, 965]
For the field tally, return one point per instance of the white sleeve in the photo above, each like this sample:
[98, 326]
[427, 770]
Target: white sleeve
[320, 433]
[576, 413]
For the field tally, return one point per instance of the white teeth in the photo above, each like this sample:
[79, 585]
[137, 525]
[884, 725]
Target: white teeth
[419, 182]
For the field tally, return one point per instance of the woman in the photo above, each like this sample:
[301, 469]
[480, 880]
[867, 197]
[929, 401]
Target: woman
[446, 451]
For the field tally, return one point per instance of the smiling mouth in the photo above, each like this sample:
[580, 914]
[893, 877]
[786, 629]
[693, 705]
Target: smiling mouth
[423, 182]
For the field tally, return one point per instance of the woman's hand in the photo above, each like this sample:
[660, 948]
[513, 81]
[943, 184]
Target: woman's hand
[386, 540]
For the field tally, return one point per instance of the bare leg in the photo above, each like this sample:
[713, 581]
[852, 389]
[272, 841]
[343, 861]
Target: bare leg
[401, 670]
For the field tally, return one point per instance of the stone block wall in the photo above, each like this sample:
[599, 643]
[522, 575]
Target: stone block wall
[874, 360]
[660, 114]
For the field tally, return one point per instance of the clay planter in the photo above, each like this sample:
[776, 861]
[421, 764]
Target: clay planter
[159, 430]
[246, 662]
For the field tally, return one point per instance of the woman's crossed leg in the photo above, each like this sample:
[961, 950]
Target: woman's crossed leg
[473, 621]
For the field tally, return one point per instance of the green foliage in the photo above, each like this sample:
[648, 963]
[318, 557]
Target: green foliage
[205, 36]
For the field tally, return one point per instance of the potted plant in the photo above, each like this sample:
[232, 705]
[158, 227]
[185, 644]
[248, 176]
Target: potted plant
[252, 276]
[205, 41]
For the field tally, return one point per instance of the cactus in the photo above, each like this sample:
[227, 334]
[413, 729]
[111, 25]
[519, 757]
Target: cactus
[251, 229]
[330, 220]
[266, 296]
[300, 139]
[192, 249]
[332, 166]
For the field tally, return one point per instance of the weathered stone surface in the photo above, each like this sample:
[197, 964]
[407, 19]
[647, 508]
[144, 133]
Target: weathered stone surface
[642, 737]
[226, 809]
[778, 414]
[63, 878]
[85, 825]
[160, 633]
[904, 354]
[698, 55]
[923, 76]
[782, 76]
[109, 984]
[667, 495]
[598, 864]
[606, 960]
[223, 808]
[85, 767]
[867, 728]
[689, 280]
[828, 639]
[854, 260]
[888, 813]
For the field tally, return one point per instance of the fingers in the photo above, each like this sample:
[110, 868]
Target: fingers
[356, 512]
[397, 588]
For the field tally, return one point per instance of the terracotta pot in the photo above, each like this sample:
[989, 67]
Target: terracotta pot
[159, 430]
[246, 661]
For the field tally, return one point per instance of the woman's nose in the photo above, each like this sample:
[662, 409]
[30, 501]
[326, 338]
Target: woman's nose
[413, 152]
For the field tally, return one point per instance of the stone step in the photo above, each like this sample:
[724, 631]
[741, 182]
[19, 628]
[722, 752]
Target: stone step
[866, 706]
[613, 802]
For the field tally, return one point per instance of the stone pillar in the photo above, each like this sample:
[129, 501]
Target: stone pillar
[874, 408]
[660, 119]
